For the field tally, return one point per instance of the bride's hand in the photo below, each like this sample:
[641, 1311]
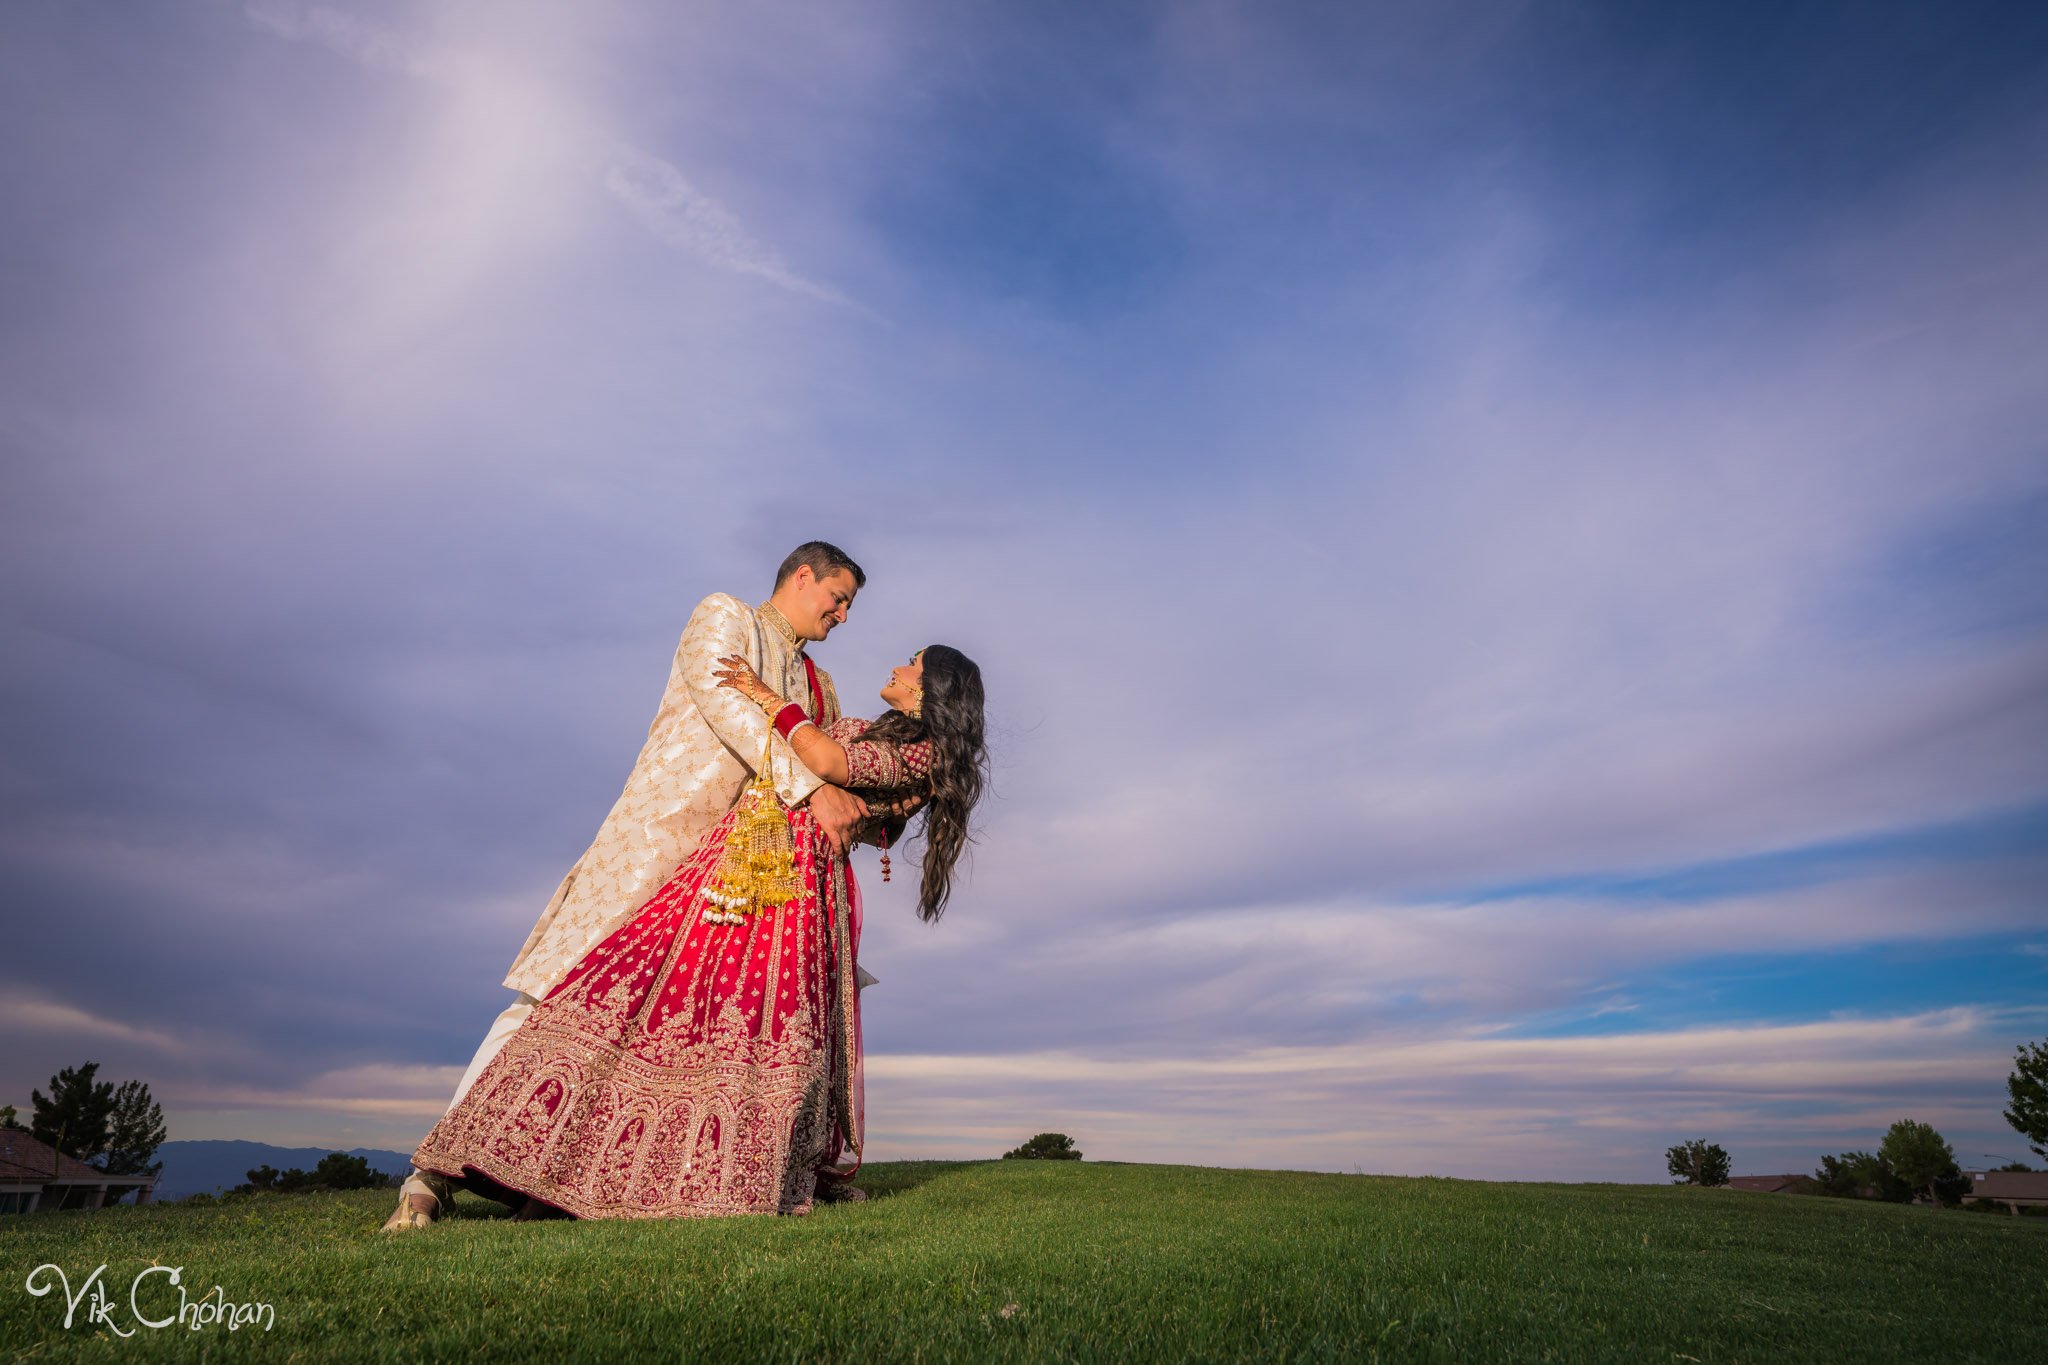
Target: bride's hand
[739, 675]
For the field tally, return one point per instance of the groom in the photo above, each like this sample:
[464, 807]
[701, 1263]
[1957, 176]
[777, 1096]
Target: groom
[700, 754]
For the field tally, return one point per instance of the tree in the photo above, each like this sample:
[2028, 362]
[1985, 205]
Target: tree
[10, 1120]
[1920, 1158]
[1045, 1147]
[1860, 1175]
[73, 1119]
[1698, 1162]
[2028, 1086]
[340, 1171]
[135, 1129]
[336, 1171]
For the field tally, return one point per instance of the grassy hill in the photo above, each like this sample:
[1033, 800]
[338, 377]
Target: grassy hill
[1084, 1261]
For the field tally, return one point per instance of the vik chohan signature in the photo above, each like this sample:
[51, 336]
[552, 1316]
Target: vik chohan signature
[210, 1309]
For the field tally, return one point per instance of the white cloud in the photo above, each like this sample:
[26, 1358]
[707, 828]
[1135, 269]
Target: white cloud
[389, 1091]
[681, 216]
[345, 34]
[513, 109]
[1528, 1108]
[32, 1019]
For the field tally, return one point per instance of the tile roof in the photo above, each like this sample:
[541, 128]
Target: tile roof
[24, 1158]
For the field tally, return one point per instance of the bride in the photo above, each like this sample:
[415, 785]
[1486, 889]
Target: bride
[705, 1057]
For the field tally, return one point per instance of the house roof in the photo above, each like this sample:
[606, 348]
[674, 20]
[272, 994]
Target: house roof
[2009, 1185]
[23, 1158]
[1766, 1184]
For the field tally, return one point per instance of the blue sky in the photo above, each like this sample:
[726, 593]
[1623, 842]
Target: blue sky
[1503, 537]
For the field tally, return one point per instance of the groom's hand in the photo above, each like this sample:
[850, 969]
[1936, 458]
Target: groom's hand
[837, 811]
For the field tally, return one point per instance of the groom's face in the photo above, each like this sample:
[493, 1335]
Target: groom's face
[820, 603]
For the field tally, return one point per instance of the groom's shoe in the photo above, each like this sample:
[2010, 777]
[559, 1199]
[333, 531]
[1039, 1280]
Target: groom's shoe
[422, 1199]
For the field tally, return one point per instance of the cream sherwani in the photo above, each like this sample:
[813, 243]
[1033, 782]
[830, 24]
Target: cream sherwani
[700, 753]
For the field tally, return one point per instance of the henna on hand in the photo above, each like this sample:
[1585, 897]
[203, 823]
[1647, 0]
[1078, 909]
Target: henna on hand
[740, 676]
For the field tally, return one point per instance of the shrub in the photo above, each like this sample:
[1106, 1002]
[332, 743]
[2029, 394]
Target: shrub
[1045, 1147]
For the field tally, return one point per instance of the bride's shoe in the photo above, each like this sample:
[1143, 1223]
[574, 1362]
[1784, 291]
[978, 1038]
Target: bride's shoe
[410, 1215]
[833, 1191]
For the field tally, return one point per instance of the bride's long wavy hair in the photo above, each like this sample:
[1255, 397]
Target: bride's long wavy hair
[951, 718]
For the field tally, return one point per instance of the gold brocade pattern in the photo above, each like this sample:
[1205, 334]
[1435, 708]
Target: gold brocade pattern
[692, 768]
[771, 615]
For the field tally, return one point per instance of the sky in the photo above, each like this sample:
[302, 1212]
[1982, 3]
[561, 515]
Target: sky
[1497, 535]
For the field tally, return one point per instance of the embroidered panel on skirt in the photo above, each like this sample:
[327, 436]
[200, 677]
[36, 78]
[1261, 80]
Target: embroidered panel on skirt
[681, 1069]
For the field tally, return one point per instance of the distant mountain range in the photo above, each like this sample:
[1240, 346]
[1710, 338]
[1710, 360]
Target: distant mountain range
[207, 1167]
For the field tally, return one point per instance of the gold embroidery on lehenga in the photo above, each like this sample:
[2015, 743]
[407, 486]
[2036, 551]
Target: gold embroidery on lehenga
[674, 1072]
[680, 1071]
[846, 1000]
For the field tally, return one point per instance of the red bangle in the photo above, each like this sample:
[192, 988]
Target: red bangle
[788, 718]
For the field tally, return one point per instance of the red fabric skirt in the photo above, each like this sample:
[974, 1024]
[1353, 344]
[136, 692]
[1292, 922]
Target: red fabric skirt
[682, 1069]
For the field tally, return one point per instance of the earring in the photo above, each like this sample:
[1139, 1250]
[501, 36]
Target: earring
[916, 701]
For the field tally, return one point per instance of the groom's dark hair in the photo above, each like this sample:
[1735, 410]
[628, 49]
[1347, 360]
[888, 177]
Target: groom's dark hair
[825, 560]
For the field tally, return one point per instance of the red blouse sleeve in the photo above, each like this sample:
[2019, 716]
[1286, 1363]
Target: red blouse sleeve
[881, 766]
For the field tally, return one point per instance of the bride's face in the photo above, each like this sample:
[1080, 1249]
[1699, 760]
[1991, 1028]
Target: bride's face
[904, 682]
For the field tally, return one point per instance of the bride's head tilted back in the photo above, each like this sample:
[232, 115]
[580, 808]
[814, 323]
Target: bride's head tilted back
[950, 716]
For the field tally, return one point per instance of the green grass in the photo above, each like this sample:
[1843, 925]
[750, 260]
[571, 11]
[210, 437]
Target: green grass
[1099, 1261]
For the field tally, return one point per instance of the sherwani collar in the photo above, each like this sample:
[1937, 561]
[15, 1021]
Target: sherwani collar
[772, 617]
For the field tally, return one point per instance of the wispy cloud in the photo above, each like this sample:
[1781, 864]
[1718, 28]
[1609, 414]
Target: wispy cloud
[408, 1094]
[680, 215]
[29, 1016]
[658, 195]
[348, 35]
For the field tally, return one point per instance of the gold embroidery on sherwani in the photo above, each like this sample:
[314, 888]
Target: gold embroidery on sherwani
[689, 772]
[777, 622]
[831, 699]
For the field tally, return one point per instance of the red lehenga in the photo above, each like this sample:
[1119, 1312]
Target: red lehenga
[686, 1068]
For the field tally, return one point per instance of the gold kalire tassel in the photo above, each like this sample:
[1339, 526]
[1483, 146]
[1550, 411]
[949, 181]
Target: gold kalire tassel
[757, 871]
